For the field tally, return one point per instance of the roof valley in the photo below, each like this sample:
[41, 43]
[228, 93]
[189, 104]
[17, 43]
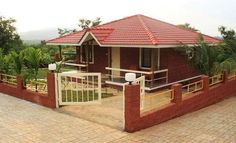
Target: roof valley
[150, 35]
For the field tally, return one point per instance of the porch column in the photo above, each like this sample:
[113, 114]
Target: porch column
[77, 58]
[109, 59]
[87, 55]
[60, 52]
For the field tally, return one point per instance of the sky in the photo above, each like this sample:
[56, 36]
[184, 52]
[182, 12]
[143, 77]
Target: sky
[205, 15]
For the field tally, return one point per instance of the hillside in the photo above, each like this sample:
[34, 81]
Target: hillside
[39, 35]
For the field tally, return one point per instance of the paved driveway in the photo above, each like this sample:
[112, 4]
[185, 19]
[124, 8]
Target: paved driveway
[22, 121]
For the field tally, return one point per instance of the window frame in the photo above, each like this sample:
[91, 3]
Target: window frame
[81, 55]
[140, 60]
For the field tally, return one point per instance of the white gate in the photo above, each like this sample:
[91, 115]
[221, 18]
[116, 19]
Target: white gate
[79, 88]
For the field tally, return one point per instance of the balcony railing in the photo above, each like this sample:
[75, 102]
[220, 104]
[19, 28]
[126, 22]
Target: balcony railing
[117, 75]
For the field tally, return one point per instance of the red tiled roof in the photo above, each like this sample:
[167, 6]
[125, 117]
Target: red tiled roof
[137, 30]
[72, 38]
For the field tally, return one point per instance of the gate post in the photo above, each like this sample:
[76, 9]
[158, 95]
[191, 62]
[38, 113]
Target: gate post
[51, 89]
[0, 76]
[132, 107]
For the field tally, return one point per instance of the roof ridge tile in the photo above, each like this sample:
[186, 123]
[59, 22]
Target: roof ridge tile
[150, 35]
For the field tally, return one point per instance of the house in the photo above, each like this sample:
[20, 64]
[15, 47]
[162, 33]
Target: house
[137, 44]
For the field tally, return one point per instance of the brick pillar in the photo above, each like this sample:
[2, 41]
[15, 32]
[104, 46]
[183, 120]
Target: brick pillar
[205, 83]
[132, 107]
[51, 89]
[0, 77]
[224, 76]
[20, 82]
[177, 93]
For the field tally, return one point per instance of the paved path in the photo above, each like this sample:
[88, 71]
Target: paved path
[109, 113]
[23, 122]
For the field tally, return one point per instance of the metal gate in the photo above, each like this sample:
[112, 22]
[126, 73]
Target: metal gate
[79, 88]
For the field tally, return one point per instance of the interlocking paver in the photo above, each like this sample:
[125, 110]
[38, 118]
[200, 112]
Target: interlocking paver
[25, 122]
[22, 121]
[216, 124]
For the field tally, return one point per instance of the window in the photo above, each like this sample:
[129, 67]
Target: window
[145, 58]
[87, 50]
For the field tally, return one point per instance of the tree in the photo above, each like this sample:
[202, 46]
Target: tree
[229, 37]
[188, 26]
[227, 34]
[8, 35]
[34, 58]
[17, 61]
[85, 23]
[65, 31]
[5, 61]
[210, 60]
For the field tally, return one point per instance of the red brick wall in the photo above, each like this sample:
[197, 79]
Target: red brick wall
[169, 59]
[177, 65]
[47, 100]
[179, 106]
[129, 58]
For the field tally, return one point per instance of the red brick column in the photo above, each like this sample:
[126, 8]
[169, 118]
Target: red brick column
[177, 93]
[205, 83]
[224, 76]
[51, 89]
[132, 107]
[20, 82]
[0, 77]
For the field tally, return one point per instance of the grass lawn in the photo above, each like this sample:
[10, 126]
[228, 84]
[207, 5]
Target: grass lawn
[43, 72]
[76, 96]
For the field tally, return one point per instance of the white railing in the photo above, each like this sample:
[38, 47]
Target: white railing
[38, 86]
[232, 75]
[172, 83]
[76, 65]
[215, 79]
[192, 87]
[164, 77]
[141, 73]
[9, 79]
[154, 100]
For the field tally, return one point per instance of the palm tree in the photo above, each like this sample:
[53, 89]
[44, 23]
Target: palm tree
[33, 59]
[210, 60]
[17, 59]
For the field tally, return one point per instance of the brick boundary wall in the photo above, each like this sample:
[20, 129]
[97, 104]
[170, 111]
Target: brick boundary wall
[135, 121]
[19, 91]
